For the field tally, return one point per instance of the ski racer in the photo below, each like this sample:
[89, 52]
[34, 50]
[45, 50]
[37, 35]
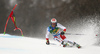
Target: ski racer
[58, 36]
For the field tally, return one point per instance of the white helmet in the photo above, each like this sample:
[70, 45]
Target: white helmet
[53, 20]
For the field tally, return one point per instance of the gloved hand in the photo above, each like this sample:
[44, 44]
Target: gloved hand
[62, 33]
[47, 41]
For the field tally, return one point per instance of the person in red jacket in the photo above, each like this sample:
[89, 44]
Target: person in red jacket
[58, 36]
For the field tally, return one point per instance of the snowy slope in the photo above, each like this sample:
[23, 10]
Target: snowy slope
[10, 44]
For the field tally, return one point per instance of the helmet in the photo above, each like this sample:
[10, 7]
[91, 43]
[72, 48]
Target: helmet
[53, 20]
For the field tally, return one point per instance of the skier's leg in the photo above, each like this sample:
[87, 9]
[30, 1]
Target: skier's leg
[57, 39]
[62, 37]
[62, 40]
[66, 40]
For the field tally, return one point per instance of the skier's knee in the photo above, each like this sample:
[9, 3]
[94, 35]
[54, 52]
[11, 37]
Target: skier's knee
[63, 37]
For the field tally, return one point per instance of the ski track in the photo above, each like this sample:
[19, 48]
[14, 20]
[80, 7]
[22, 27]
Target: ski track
[11, 44]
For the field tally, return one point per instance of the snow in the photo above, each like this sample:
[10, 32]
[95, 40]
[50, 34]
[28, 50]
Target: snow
[12, 2]
[11, 44]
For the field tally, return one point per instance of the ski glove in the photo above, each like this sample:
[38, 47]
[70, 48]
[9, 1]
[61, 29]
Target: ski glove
[47, 41]
[62, 33]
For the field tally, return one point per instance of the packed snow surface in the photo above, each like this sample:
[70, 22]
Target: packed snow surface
[11, 44]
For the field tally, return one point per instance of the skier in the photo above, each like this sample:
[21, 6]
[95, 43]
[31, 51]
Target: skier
[58, 36]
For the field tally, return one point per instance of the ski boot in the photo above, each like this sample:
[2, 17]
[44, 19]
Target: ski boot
[64, 45]
[74, 43]
[78, 46]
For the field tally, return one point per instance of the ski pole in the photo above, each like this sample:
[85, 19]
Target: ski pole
[73, 34]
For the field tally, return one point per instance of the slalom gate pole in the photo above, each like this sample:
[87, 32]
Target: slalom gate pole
[6, 25]
[19, 29]
[8, 19]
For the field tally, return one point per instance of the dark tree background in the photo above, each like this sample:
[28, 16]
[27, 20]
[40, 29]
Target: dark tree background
[33, 16]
